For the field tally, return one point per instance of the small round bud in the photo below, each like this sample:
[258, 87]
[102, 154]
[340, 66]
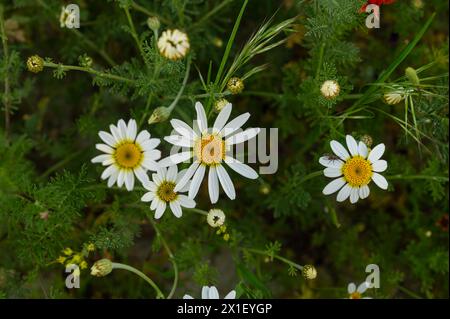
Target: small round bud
[220, 104]
[218, 42]
[226, 237]
[235, 85]
[159, 115]
[330, 89]
[367, 139]
[264, 189]
[153, 23]
[309, 272]
[428, 233]
[394, 96]
[35, 64]
[412, 76]
[418, 4]
[101, 268]
[215, 217]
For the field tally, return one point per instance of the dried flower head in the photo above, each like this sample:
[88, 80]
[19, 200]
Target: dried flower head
[235, 85]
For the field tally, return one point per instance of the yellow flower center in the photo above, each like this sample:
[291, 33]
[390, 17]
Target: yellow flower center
[355, 295]
[210, 149]
[357, 171]
[128, 155]
[165, 191]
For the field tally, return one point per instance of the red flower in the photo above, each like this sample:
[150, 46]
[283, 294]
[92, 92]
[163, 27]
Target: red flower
[377, 2]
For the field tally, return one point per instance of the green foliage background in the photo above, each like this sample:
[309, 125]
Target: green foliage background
[56, 114]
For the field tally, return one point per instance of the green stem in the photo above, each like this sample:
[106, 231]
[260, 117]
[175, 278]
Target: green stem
[311, 175]
[407, 177]
[196, 210]
[183, 85]
[409, 292]
[88, 70]
[140, 8]
[171, 258]
[319, 63]
[285, 260]
[210, 14]
[134, 34]
[159, 294]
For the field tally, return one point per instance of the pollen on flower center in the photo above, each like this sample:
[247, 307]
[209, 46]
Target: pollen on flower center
[357, 171]
[210, 149]
[165, 191]
[128, 155]
[355, 295]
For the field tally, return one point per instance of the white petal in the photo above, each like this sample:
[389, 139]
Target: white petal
[242, 136]
[344, 193]
[213, 185]
[104, 148]
[354, 195]
[154, 203]
[101, 158]
[364, 191]
[108, 171]
[172, 173]
[175, 159]
[150, 144]
[186, 201]
[188, 297]
[351, 288]
[201, 117]
[235, 124]
[376, 153]
[153, 155]
[205, 292]
[380, 181]
[129, 180]
[131, 129]
[116, 133]
[160, 209]
[107, 138]
[231, 295]
[339, 150]
[213, 293]
[142, 137]
[352, 145]
[241, 168]
[113, 178]
[141, 175]
[183, 129]
[196, 181]
[327, 162]
[179, 140]
[121, 178]
[148, 197]
[176, 209]
[187, 176]
[332, 172]
[222, 118]
[122, 128]
[150, 164]
[379, 166]
[151, 186]
[362, 149]
[363, 287]
[333, 186]
[226, 182]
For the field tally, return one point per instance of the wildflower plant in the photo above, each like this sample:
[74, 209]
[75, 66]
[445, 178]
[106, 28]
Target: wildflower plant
[126, 149]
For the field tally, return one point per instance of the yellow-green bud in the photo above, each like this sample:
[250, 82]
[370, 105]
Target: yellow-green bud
[220, 104]
[412, 76]
[85, 61]
[309, 272]
[367, 139]
[153, 23]
[218, 42]
[35, 64]
[264, 189]
[101, 268]
[235, 85]
[160, 114]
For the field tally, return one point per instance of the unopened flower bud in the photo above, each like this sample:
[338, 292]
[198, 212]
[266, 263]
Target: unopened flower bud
[101, 268]
[394, 96]
[220, 104]
[215, 217]
[160, 114]
[235, 85]
[264, 189]
[309, 272]
[153, 23]
[412, 76]
[35, 64]
[330, 89]
[367, 139]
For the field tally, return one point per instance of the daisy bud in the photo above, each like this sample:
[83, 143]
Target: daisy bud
[218, 42]
[418, 4]
[235, 85]
[173, 44]
[394, 96]
[226, 237]
[330, 89]
[309, 272]
[264, 189]
[220, 104]
[101, 268]
[412, 76]
[153, 23]
[215, 217]
[35, 64]
[367, 139]
[159, 115]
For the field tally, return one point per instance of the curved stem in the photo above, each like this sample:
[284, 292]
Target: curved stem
[432, 177]
[171, 257]
[311, 175]
[159, 294]
[140, 8]
[183, 85]
[285, 260]
[196, 210]
[134, 34]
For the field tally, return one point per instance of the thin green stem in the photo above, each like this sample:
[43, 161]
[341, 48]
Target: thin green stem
[409, 292]
[159, 294]
[140, 8]
[283, 259]
[319, 63]
[183, 85]
[408, 177]
[134, 33]
[88, 70]
[311, 175]
[61, 163]
[198, 211]
[209, 14]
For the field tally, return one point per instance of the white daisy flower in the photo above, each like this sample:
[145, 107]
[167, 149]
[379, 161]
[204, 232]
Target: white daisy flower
[357, 293]
[127, 154]
[212, 293]
[161, 192]
[354, 170]
[173, 44]
[209, 149]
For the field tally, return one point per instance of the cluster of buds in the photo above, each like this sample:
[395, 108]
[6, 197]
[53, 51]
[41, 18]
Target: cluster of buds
[222, 231]
[69, 256]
